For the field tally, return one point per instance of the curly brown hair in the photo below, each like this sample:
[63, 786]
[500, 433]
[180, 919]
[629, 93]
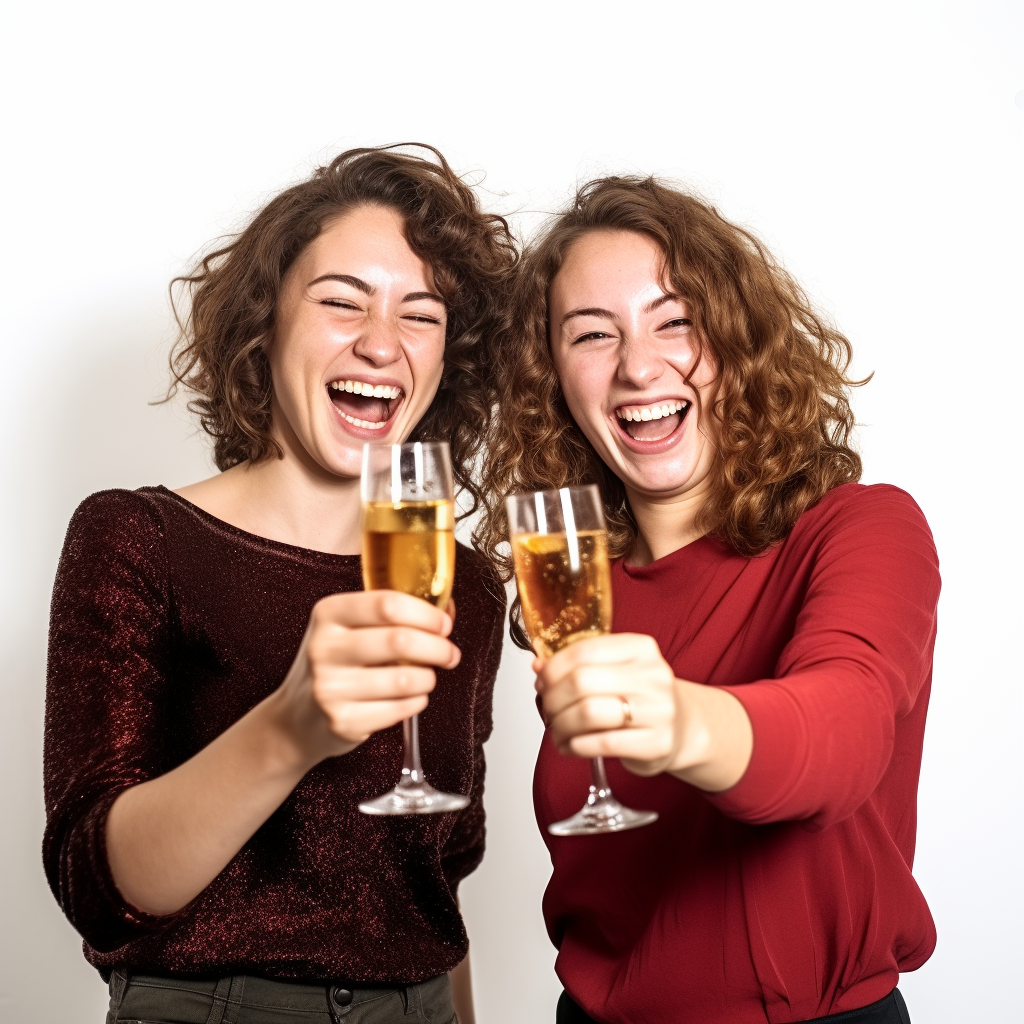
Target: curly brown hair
[221, 352]
[780, 415]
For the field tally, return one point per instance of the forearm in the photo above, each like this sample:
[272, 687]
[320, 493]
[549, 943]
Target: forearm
[716, 738]
[168, 838]
[462, 992]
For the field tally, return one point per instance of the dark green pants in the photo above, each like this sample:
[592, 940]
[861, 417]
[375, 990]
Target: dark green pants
[245, 999]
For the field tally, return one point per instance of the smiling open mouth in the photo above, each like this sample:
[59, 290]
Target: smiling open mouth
[364, 404]
[652, 422]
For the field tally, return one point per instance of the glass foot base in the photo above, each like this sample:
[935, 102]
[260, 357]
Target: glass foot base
[604, 814]
[414, 798]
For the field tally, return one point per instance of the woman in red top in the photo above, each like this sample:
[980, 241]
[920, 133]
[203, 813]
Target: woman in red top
[767, 678]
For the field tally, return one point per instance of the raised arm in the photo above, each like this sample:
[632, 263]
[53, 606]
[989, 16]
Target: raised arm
[168, 838]
[810, 743]
[128, 840]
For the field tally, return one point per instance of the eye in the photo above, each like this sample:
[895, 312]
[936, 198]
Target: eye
[422, 318]
[679, 321]
[338, 303]
[591, 336]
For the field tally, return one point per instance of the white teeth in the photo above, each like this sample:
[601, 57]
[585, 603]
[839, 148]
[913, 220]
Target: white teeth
[368, 424]
[358, 387]
[636, 414]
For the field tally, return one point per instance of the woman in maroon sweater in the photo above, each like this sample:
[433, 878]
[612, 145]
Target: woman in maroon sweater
[766, 683]
[222, 693]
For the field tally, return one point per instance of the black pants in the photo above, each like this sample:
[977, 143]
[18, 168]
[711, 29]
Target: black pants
[245, 999]
[890, 1010]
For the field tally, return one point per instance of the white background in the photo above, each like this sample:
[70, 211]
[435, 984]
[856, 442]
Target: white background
[877, 147]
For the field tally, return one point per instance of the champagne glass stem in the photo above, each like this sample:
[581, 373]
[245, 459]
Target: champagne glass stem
[602, 812]
[412, 770]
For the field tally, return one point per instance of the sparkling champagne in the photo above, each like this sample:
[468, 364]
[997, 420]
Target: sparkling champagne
[565, 598]
[410, 546]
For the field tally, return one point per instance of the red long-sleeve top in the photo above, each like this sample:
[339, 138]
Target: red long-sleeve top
[790, 895]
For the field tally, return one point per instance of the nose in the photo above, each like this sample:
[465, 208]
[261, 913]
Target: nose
[640, 364]
[378, 342]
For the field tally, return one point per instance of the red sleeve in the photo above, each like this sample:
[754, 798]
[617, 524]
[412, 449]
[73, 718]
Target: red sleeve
[107, 667]
[824, 727]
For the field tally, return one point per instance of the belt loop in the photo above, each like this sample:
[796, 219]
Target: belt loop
[411, 999]
[218, 1001]
[233, 1001]
[118, 985]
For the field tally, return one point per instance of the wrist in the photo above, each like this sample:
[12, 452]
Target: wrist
[693, 740]
[715, 737]
[282, 738]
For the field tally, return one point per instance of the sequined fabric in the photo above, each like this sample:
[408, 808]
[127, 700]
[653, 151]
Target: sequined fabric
[167, 625]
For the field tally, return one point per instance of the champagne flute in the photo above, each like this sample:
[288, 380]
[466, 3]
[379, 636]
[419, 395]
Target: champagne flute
[409, 545]
[560, 551]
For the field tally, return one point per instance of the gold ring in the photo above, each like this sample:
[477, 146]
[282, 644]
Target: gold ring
[627, 713]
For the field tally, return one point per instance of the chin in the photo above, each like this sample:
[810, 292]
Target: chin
[344, 461]
[654, 483]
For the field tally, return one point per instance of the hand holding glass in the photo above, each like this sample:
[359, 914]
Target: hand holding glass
[560, 551]
[409, 545]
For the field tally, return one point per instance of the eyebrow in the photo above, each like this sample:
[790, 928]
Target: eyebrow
[653, 305]
[367, 289]
[590, 311]
[607, 314]
[356, 282]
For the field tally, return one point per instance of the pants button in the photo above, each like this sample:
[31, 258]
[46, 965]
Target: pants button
[341, 998]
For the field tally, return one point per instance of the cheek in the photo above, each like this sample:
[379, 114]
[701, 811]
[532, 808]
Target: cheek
[580, 381]
[704, 371]
[427, 359]
[285, 369]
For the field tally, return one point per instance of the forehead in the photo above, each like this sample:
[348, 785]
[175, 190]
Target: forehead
[607, 260]
[363, 240]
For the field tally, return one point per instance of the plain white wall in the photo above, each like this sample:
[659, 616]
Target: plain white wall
[877, 147]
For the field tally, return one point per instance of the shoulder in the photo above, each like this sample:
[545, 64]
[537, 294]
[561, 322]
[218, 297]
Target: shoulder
[877, 524]
[863, 508]
[117, 510]
[117, 505]
[118, 525]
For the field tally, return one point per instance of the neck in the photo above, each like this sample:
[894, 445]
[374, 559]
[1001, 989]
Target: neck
[665, 524]
[289, 503]
[293, 500]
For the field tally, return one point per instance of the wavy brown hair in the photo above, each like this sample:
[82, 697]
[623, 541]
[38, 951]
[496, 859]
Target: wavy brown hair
[221, 352]
[778, 412]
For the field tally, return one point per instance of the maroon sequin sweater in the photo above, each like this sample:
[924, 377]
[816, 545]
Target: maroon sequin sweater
[167, 625]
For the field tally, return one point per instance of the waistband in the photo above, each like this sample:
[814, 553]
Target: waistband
[252, 999]
[891, 1009]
